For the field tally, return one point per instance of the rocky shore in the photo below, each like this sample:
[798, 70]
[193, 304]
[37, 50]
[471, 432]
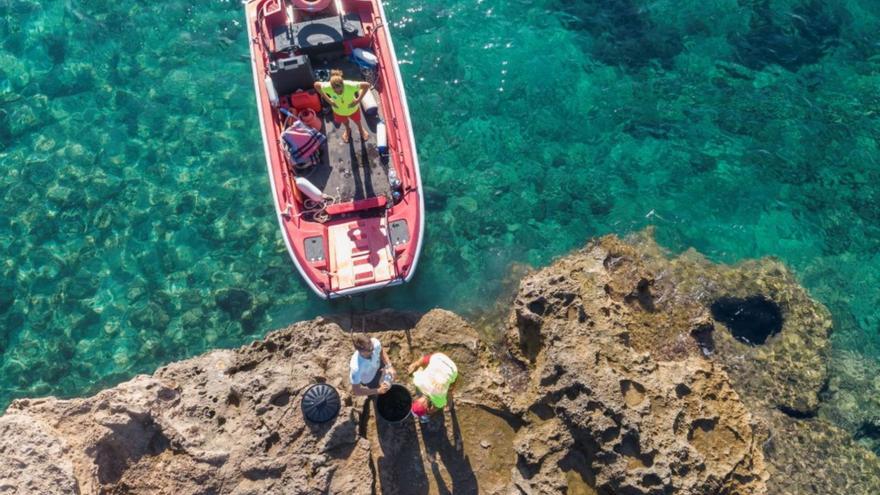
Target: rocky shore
[619, 370]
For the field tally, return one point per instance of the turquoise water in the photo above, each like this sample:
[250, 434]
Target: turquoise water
[137, 228]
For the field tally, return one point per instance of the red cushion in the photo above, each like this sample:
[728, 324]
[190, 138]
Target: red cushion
[352, 206]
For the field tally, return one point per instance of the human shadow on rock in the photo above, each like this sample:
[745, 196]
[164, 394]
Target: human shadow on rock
[400, 467]
[450, 453]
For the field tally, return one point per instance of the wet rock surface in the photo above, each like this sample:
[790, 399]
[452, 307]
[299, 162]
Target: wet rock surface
[613, 375]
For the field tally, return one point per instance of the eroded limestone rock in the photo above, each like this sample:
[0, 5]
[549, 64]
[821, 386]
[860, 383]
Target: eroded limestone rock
[224, 422]
[621, 370]
[624, 316]
[610, 412]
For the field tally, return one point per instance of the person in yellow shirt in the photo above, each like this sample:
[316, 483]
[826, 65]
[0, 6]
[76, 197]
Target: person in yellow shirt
[344, 97]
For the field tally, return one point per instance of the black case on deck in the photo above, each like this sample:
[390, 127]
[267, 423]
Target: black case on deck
[291, 73]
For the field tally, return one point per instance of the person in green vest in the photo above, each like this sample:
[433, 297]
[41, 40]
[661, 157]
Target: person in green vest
[344, 97]
[434, 376]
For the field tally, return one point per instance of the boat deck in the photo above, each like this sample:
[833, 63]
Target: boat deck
[354, 170]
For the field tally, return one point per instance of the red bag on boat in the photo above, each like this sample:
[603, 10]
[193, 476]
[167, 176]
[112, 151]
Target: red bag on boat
[306, 99]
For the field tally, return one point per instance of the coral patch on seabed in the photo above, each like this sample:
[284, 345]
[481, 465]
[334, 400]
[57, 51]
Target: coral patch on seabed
[612, 377]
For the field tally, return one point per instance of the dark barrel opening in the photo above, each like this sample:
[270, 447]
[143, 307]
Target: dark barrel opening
[394, 405]
[751, 320]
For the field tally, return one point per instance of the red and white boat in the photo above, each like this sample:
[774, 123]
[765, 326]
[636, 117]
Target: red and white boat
[354, 221]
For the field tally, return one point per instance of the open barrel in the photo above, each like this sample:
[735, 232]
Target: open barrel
[394, 405]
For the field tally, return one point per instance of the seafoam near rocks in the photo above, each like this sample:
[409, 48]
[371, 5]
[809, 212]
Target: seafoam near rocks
[619, 373]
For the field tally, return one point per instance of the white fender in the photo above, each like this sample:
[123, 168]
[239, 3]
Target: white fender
[309, 189]
[270, 90]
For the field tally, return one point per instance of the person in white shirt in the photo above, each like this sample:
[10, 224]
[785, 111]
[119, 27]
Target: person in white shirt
[368, 364]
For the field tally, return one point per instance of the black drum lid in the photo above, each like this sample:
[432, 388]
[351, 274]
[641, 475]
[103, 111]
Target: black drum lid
[320, 403]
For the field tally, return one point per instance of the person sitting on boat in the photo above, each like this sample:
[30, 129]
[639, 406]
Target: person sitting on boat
[344, 97]
[368, 365]
[434, 376]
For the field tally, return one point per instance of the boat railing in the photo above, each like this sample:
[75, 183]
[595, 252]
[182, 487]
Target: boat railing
[388, 75]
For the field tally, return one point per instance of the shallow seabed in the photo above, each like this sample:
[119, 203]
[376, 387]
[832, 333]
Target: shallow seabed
[137, 228]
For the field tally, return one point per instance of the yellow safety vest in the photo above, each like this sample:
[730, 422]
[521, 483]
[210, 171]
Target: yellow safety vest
[344, 100]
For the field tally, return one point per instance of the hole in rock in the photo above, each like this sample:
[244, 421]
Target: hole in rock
[868, 434]
[281, 399]
[868, 429]
[538, 306]
[630, 448]
[270, 441]
[642, 295]
[751, 320]
[633, 393]
[681, 390]
[579, 475]
[796, 413]
[530, 340]
[702, 334]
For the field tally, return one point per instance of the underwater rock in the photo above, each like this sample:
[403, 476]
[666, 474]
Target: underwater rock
[150, 316]
[69, 79]
[791, 37]
[7, 296]
[22, 119]
[435, 199]
[234, 301]
[853, 393]
[81, 286]
[623, 32]
[15, 71]
[812, 456]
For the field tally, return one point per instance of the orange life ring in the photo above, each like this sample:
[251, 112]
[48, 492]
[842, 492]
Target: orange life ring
[311, 5]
